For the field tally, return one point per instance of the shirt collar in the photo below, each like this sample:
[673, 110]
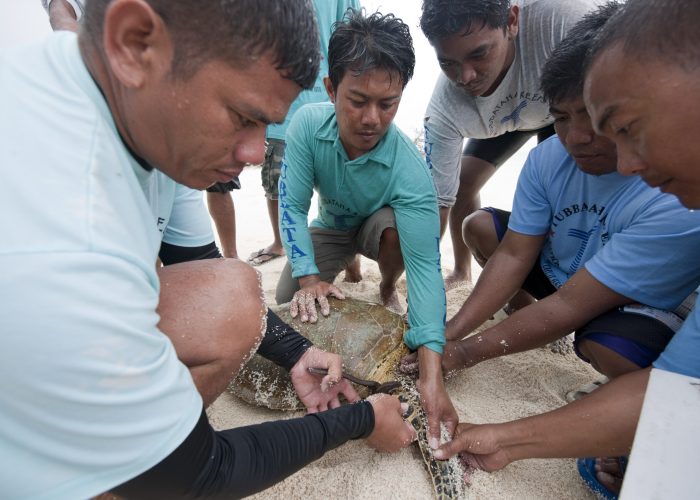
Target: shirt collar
[382, 152]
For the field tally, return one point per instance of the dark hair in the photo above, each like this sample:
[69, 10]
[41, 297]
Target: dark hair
[443, 18]
[563, 73]
[360, 43]
[232, 31]
[665, 29]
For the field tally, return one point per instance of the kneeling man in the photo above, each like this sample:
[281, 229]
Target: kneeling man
[376, 196]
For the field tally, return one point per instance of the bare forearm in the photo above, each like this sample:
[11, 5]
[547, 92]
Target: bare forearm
[601, 424]
[580, 300]
[501, 278]
[430, 366]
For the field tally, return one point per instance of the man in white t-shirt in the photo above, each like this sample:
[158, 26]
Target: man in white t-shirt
[491, 53]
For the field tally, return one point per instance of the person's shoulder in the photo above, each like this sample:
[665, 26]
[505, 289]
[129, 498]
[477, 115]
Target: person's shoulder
[314, 113]
[550, 151]
[308, 120]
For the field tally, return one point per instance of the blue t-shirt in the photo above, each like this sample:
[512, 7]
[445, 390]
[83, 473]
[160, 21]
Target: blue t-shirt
[682, 354]
[328, 12]
[392, 174]
[91, 392]
[632, 238]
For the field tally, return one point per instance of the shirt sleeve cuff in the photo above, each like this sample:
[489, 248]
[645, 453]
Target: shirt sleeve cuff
[433, 339]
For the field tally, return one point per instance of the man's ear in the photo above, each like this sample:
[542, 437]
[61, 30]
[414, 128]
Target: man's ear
[136, 42]
[329, 88]
[513, 19]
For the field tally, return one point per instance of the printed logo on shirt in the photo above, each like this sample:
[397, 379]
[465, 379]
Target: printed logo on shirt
[427, 143]
[507, 111]
[287, 223]
[577, 240]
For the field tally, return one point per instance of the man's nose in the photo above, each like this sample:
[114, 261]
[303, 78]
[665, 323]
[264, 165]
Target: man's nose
[251, 147]
[370, 116]
[467, 74]
[577, 135]
[628, 162]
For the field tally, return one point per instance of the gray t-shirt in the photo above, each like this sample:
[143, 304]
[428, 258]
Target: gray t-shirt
[517, 103]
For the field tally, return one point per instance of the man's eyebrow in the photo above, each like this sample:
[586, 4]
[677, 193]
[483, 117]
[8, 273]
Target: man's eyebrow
[258, 116]
[357, 93]
[607, 113]
[481, 48]
[554, 109]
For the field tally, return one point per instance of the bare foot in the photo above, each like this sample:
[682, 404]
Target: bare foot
[353, 273]
[610, 472]
[454, 279]
[390, 299]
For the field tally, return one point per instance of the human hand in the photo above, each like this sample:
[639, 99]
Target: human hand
[324, 395]
[391, 432]
[478, 446]
[303, 304]
[438, 409]
[436, 403]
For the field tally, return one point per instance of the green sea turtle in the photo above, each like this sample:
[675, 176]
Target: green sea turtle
[370, 339]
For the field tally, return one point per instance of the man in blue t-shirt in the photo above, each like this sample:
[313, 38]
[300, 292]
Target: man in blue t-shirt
[632, 102]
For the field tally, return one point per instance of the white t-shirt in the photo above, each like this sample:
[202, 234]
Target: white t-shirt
[92, 393]
[517, 103]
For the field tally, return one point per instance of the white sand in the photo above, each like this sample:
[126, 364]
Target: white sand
[494, 391]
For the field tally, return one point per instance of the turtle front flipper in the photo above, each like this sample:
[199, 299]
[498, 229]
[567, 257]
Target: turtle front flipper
[447, 476]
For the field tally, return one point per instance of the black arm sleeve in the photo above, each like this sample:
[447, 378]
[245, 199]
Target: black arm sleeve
[282, 344]
[262, 455]
[238, 462]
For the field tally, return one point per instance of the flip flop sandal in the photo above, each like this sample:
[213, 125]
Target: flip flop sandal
[586, 469]
[255, 257]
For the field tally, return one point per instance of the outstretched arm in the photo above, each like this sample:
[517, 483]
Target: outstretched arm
[581, 299]
[601, 424]
[501, 278]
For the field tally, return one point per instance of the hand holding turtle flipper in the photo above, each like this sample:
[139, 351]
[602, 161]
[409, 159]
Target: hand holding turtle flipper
[436, 403]
[391, 432]
[324, 395]
[478, 446]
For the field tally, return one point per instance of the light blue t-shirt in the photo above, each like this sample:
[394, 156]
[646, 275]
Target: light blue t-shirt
[682, 354]
[91, 392]
[392, 174]
[634, 239]
[328, 12]
[189, 224]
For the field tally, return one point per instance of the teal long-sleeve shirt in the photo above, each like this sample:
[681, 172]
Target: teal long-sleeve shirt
[392, 174]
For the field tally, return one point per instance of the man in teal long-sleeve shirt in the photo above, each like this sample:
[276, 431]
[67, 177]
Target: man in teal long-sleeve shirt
[376, 195]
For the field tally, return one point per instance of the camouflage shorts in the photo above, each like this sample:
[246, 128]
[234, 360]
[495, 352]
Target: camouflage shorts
[271, 167]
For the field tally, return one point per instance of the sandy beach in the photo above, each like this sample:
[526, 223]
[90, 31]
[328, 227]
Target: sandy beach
[494, 391]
